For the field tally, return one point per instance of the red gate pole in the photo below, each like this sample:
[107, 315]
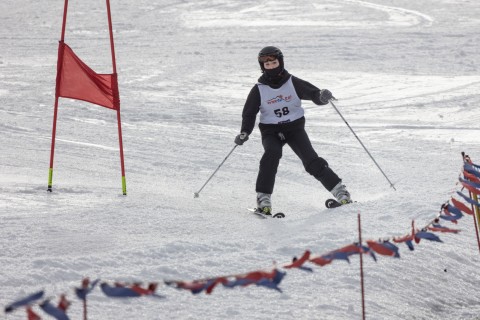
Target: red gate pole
[85, 309]
[361, 266]
[55, 111]
[476, 211]
[114, 64]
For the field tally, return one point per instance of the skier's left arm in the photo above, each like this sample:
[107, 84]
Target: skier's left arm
[307, 91]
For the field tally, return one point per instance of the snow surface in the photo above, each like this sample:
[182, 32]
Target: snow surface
[407, 78]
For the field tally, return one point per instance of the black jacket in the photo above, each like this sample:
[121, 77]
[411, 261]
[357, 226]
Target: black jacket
[305, 91]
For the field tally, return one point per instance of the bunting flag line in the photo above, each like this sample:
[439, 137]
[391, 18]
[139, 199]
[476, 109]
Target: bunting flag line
[266, 279]
[451, 211]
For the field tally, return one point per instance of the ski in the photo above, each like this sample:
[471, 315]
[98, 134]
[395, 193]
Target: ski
[332, 203]
[261, 215]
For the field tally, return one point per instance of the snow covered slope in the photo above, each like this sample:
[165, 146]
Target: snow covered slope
[406, 76]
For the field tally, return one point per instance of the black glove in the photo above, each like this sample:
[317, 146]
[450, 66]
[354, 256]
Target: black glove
[241, 138]
[325, 96]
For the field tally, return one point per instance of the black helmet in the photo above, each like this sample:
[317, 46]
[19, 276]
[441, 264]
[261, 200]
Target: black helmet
[270, 51]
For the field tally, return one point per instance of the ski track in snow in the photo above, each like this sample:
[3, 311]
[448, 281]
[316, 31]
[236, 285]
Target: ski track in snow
[398, 16]
[279, 13]
[406, 78]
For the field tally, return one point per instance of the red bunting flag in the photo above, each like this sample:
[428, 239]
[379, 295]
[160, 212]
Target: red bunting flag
[63, 304]
[149, 290]
[470, 188]
[384, 248]
[462, 206]
[470, 176]
[297, 263]
[439, 228]
[321, 261]
[31, 315]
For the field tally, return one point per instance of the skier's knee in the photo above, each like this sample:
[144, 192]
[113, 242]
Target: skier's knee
[316, 166]
[273, 153]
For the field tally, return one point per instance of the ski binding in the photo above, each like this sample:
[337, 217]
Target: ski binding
[332, 203]
[261, 215]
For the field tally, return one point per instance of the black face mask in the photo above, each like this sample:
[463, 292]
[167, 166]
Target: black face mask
[274, 72]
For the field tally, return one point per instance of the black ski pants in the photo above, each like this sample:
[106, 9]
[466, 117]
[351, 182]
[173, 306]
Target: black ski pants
[274, 137]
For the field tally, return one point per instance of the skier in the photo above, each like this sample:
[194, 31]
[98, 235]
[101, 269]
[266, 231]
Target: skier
[277, 96]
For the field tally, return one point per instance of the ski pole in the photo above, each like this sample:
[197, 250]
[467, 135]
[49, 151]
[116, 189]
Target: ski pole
[197, 194]
[336, 109]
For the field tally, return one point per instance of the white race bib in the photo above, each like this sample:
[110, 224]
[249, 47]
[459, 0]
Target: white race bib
[280, 105]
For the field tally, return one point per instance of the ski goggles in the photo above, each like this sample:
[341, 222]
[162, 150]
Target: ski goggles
[264, 59]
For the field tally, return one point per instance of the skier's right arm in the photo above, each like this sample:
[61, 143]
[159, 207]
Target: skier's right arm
[250, 110]
[249, 115]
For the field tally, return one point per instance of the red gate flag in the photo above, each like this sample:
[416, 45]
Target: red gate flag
[76, 80]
